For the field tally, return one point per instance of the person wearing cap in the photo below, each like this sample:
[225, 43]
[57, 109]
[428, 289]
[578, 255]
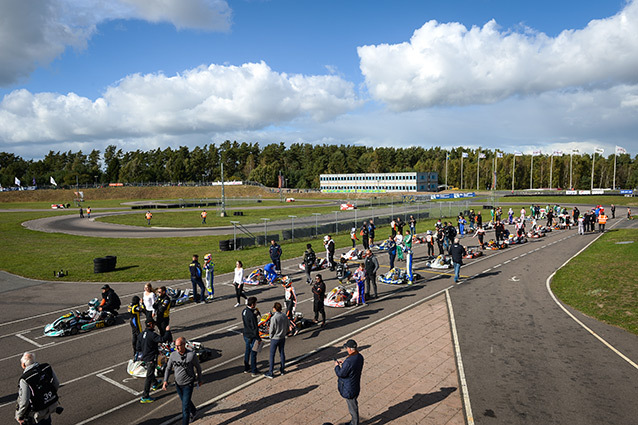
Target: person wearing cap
[348, 372]
[110, 301]
[147, 344]
[209, 267]
[275, 255]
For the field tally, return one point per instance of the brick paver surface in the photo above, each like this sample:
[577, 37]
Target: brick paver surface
[409, 377]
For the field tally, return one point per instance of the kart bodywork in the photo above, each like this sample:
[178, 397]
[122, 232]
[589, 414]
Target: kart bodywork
[320, 263]
[76, 321]
[340, 297]
[179, 296]
[137, 368]
[440, 262]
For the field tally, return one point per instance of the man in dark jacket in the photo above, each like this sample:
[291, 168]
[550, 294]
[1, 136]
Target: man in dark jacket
[372, 266]
[330, 251]
[457, 251]
[364, 235]
[110, 300]
[349, 373]
[251, 335]
[309, 259]
[319, 293]
[196, 278]
[162, 308]
[147, 344]
[275, 255]
[392, 250]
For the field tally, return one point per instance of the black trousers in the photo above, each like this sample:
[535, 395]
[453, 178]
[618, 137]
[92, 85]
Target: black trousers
[371, 283]
[318, 308]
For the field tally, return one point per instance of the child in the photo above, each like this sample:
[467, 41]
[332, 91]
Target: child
[360, 278]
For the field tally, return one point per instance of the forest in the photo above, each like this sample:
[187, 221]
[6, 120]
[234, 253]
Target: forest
[301, 165]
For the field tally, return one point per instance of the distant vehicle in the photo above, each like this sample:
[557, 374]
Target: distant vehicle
[290, 199]
[348, 206]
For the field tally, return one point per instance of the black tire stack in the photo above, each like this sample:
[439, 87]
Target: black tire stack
[104, 264]
[226, 245]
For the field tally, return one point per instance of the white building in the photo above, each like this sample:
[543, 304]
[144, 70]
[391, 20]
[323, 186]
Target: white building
[379, 182]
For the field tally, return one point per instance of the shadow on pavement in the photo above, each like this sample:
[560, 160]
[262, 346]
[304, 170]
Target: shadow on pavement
[418, 401]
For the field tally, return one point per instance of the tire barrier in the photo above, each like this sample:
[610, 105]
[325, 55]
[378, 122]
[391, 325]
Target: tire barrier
[104, 264]
[238, 213]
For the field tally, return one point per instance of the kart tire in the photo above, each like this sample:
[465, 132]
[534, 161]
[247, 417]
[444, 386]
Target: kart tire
[110, 321]
[74, 330]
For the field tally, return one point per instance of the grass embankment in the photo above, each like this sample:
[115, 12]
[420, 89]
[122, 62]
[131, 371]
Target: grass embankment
[601, 282]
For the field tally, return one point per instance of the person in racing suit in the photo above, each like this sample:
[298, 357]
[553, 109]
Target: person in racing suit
[110, 301]
[196, 279]
[271, 273]
[162, 308]
[137, 312]
[330, 251]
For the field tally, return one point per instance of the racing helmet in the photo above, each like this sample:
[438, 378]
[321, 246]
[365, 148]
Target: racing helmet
[207, 257]
[286, 281]
[326, 238]
[429, 232]
[94, 303]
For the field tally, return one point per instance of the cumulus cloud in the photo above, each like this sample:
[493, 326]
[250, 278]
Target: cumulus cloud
[449, 64]
[199, 101]
[35, 32]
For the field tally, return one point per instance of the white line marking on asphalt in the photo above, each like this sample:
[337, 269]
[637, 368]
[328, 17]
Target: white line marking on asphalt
[485, 271]
[537, 249]
[598, 337]
[523, 254]
[117, 384]
[459, 362]
[30, 341]
[497, 266]
[505, 262]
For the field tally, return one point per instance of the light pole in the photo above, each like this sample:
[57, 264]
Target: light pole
[235, 223]
[292, 226]
[316, 224]
[266, 220]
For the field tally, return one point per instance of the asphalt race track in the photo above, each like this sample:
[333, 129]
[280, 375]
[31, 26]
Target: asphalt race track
[526, 361]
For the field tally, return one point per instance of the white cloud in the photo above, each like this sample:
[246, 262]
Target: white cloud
[199, 101]
[448, 64]
[35, 32]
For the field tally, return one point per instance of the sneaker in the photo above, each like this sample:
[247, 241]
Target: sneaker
[255, 375]
[246, 302]
[269, 375]
[281, 372]
[236, 305]
[193, 416]
[156, 386]
[145, 400]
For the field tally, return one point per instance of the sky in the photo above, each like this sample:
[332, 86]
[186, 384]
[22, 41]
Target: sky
[492, 74]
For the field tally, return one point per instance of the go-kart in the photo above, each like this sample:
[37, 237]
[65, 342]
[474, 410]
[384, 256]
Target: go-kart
[320, 263]
[137, 367]
[256, 277]
[494, 246]
[340, 297]
[383, 246]
[473, 253]
[343, 274]
[515, 240]
[76, 321]
[179, 296]
[297, 323]
[440, 262]
[354, 254]
[395, 277]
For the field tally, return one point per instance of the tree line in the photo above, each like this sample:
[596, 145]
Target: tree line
[301, 165]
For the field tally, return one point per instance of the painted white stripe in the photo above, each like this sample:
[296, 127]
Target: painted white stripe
[24, 338]
[594, 334]
[117, 384]
[459, 362]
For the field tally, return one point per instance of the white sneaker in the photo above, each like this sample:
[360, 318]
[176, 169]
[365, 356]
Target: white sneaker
[237, 305]
[246, 302]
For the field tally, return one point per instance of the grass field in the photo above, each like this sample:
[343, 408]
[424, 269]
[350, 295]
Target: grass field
[602, 281]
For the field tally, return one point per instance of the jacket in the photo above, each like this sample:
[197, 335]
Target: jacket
[349, 374]
[309, 257]
[319, 291]
[148, 342]
[279, 325]
[249, 318]
[162, 306]
[136, 311]
[457, 251]
[111, 302]
[187, 368]
[37, 383]
[371, 264]
[275, 251]
[196, 270]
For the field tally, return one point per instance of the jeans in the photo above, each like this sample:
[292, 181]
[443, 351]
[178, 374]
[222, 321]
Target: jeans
[457, 270]
[250, 355]
[185, 394]
[392, 257]
[197, 282]
[274, 345]
[353, 408]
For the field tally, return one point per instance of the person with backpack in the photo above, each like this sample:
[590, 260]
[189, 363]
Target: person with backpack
[309, 259]
[37, 392]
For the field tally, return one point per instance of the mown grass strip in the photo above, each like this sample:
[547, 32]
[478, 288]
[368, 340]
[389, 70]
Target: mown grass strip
[601, 282]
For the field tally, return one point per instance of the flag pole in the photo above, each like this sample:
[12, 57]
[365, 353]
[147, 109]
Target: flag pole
[461, 170]
[531, 171]
[615, 155]
[593, 159]
[446, 157]
[478, 167]
[551, 166]
[513, 166]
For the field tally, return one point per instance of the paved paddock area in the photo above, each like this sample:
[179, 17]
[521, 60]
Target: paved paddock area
[409, 377]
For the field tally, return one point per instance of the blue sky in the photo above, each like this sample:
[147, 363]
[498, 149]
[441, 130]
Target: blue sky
[141, 74]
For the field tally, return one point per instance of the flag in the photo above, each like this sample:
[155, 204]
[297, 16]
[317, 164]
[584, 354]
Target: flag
[557, 153]
[17, 181]
[481, 156]
[575, 151]
[599, 150]
[536, 153]
[518, 153]
[464, 154]
[620, 150]
[34, 181]
[447, 156]
[499, 155]
[52, 180]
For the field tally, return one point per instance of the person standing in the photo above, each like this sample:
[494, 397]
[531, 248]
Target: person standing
[412, 223]
[188, 372]
[400, 224]
[196, 278]
[429, 241]
[364, 236]
[371, 267]
[162, 308]
[499, 230]
[149, 216]
[238, 282]
[37, 392]
[88, 212]
[371, 230]
[581, 225]
[392, 251]
[318, 295]
[251, 336]
[353, 237]
[440, 239]
[209, 267]
[602, 220]
[137, 311]
[479, 219]
[81, 213]
[309, 259]
[277, 331]
[275, 255]
[147, 344]
[149, 299]
[360, 278]
[457, 252]
[204, 214]
[290, 297]
[348, 373]
[480, 232]
[613, 211]
[330, 251]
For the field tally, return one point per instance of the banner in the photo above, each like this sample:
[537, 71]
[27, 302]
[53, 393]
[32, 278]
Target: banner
[557, 153]
[620, 150]
[571, 192]
[499, 155]
[17, 181]
[626, 192]
[481, 156]
[518, 153]
[53, 181]
[464, 154]
[597, 192]
[599, 150]
[584, 192]
[536, 153]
